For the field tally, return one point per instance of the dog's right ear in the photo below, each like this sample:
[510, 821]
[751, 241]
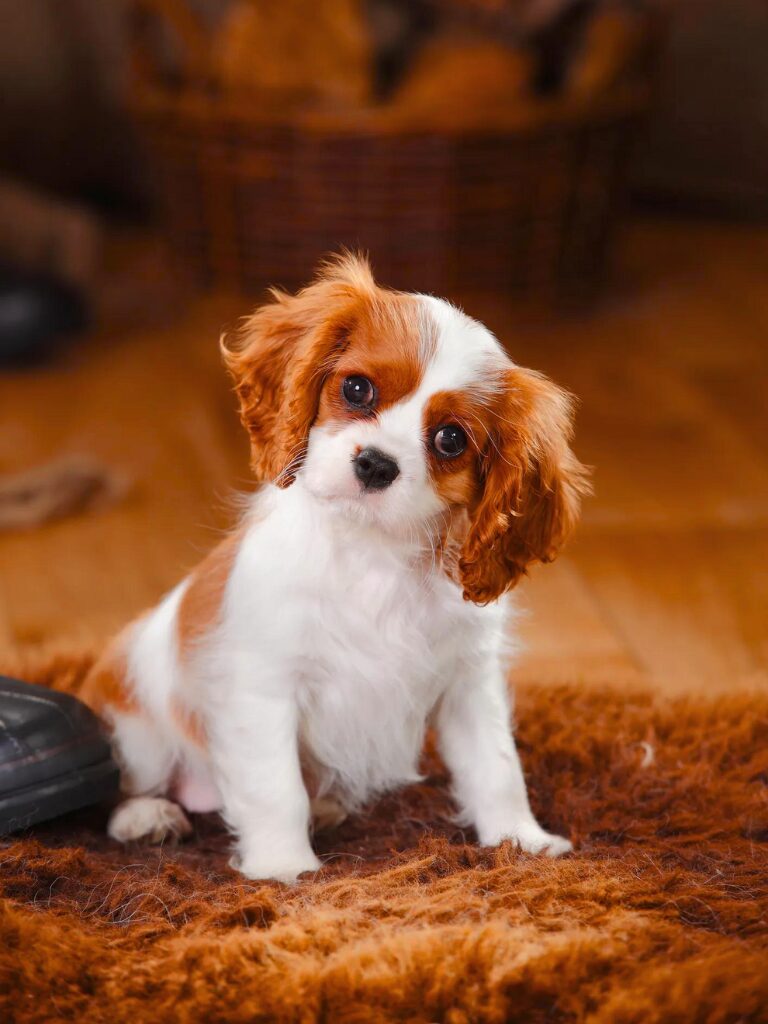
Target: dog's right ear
[532, 487]
[281, 357]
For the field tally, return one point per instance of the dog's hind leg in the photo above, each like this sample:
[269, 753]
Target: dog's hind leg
[148, 817]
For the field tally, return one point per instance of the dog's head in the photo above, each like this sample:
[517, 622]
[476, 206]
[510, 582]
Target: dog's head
[399, 410]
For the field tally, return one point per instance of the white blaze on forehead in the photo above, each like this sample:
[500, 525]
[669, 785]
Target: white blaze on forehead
[458, 354]
[463, 354]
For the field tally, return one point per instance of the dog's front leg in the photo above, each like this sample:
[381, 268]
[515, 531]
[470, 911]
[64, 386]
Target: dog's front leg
[476, 743]
[256, 758]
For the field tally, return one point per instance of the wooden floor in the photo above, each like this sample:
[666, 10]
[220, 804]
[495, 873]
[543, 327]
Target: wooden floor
[667, 580]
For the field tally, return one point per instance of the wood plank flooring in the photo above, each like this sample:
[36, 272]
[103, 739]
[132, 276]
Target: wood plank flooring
[667, 580]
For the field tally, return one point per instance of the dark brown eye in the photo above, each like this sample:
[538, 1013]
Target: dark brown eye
[449, 441]
[358, 392]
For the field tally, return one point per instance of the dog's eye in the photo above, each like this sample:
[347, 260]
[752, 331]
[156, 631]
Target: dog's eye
[449, 441]
[359, 392]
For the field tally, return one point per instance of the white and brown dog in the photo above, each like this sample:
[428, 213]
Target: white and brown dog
[414, 473]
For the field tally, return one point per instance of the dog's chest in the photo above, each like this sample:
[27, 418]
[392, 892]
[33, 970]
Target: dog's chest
[375, 652]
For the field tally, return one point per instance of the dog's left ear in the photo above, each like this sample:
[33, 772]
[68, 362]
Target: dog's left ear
[281, 357]
[532, 485]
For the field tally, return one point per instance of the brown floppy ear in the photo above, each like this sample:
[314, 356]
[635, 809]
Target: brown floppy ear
[532, 485]
[281, 357]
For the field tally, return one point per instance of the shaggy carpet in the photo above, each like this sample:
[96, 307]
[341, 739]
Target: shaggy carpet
[660, 915]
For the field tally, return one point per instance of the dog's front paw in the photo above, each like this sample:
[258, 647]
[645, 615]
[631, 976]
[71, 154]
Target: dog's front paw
[529, 837]
[285, 870]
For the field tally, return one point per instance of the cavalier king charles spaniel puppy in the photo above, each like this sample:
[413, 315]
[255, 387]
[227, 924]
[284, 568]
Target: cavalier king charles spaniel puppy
[411, 472]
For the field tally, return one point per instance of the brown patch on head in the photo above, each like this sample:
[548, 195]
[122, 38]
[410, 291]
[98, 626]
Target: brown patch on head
[531, 485]
[288, 349]
[201, 601]
[107, 688]
[388, 345]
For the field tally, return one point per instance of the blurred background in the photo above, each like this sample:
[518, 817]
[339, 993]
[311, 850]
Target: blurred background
[589, 177]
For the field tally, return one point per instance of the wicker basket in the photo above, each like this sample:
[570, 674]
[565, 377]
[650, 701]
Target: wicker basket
[249, 199]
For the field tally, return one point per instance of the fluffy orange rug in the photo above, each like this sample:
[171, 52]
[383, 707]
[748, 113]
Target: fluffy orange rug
[660, 915]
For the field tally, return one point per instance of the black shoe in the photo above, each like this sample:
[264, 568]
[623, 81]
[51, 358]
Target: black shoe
[54, 756]
[36, 310]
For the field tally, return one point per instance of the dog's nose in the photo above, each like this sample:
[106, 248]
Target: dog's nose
[375, 470]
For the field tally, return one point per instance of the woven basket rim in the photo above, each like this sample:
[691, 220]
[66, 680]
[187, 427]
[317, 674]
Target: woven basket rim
[202, 108]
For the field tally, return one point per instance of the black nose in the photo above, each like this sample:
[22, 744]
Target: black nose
[375, 470]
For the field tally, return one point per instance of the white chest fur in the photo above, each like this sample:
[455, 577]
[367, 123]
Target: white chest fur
[366, 629]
